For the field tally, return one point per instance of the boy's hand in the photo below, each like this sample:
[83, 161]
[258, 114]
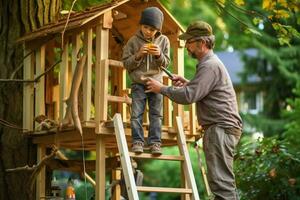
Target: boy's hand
[153, 49]
[142, 52]
[179, 81]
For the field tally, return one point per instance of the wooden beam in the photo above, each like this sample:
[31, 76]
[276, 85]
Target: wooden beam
[87, 76]
[40, 86]
[100, 168]
[101, 85]
[28, 92]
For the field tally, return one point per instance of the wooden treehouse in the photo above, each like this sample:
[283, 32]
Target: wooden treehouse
[99, 34]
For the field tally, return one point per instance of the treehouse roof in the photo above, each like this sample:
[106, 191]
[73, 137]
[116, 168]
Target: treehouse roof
[126, 15]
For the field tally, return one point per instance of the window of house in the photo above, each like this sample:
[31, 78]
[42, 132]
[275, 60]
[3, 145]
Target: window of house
[251, 102]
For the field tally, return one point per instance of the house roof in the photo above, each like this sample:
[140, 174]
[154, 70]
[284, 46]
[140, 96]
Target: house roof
[235, 65]
[130, 11]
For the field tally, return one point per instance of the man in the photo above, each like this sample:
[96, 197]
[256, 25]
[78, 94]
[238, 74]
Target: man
[217, 112]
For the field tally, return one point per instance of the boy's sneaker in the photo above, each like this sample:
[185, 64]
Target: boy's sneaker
[137, 147]
[155, 149]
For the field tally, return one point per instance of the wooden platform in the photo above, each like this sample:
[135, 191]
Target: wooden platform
[69, 138]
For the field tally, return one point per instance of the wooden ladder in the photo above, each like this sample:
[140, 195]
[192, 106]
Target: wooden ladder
[132, 189]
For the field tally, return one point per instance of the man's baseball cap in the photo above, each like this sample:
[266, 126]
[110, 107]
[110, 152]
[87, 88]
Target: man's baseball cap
[196, 29]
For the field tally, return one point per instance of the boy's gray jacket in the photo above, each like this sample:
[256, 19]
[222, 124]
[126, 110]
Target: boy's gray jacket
[137, 68]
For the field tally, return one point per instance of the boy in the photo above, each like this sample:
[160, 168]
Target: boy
[143, 56]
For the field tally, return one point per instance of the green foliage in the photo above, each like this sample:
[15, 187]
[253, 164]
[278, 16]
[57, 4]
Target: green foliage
[293, 115]
[268, 169]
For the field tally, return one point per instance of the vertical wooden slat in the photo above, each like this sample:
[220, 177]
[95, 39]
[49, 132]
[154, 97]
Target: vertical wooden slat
[40, 85]
[63, 81]
[100, 167]
[167, 104]
[178, 58]
[115, 87]
[192, 119]
[41, 177]
[87, 76]
[28, 91]
[123, 109]
[75, 50]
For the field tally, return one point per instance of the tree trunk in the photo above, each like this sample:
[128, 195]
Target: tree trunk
[16, 18]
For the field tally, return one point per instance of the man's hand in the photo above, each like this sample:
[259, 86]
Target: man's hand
[153, 85]
[179, 81]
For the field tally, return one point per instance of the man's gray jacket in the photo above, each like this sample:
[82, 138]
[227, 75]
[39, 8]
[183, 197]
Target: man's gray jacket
[212, 90]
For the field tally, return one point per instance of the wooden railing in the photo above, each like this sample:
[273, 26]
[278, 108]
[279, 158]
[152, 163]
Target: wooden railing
[111, 94]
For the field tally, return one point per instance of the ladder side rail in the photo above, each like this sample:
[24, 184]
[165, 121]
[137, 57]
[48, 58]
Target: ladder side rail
[125, 159]
[189, 174]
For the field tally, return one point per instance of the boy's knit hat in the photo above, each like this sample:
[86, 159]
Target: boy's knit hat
[152, 16]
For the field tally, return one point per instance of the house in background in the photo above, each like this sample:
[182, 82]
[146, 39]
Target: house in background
[250, 97]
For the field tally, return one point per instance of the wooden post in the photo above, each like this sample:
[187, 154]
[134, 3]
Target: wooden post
[178, 58]
[41, 177]
[100, 168]
[40, 85]
[167, 112]
[101, 85]
[28, 92]
[101, 89]
[87, 76]
[116, 176]
[63, 81]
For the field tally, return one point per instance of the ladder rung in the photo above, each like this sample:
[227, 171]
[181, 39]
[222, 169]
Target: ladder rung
[164, 189]
[161, 157]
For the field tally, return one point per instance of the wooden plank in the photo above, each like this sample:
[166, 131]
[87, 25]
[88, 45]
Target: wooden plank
[40, 85]
[115, 63]
[63, 81]
[28, 92]
[178, 59]
[100, 168]
[161, 157]
[119, 99]
[125, 159]
[164, 189]
[41, 177]
[101, 85]
[187, 166]
[87, 76]
[167, 112]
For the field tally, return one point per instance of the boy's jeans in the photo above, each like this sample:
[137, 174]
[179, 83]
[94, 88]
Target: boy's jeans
[139, 98]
